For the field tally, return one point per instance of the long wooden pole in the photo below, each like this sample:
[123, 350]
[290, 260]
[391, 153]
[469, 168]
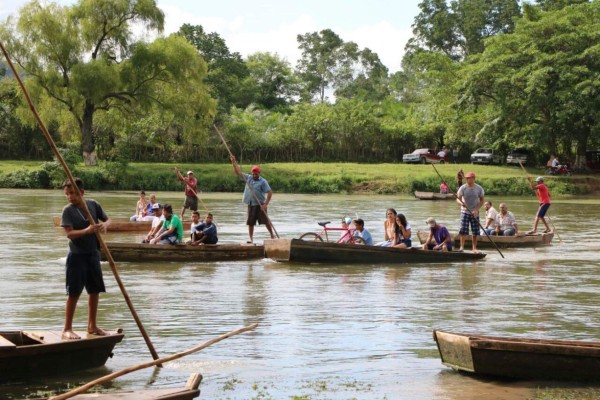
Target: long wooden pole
[247, 184]
[469, 210]
[547, 215]
[103, 245]
[109, 377]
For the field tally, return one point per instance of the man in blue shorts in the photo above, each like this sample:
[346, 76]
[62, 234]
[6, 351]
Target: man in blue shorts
[470, 198]
[83, 260]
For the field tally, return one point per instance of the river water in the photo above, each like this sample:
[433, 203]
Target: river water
[325, 332]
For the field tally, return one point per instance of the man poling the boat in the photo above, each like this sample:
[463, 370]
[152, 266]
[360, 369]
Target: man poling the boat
[468, 209]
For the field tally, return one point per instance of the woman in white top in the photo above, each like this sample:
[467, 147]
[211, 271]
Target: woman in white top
[389, 228]
[141, 208]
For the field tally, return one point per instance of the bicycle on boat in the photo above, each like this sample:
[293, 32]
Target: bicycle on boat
[347, 237]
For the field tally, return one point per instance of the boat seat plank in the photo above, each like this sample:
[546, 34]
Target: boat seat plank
[48, 337]
[5, 343]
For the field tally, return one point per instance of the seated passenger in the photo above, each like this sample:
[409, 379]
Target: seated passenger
[362, 232]
[402, 238]
[141, 208]
[443, 188]
[439, 238]
[505, 222]
[205, 232]
[345, 235]
[389, 228]
[157, 222]
[490, 218]
[171, 231]
[150, 208]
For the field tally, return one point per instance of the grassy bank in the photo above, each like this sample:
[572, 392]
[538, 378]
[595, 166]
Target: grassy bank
[291, 178]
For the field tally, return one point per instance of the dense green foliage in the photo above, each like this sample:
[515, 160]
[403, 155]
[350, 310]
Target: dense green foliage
[476, 74]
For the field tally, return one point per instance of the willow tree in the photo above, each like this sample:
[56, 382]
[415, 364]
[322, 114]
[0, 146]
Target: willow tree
[84, 59]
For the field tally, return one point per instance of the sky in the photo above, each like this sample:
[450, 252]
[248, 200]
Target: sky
[383, 26]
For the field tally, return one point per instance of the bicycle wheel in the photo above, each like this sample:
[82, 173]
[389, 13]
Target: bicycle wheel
[311, 236]
[357, 240]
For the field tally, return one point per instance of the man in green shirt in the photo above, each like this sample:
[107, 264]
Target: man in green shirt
[172, 229]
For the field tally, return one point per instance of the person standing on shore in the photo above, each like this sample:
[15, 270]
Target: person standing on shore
[83, 261]
[470, 197]
[543, 194]
[191, 191]
[257, 198]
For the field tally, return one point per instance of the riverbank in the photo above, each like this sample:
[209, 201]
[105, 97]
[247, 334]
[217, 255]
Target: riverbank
[342, 178]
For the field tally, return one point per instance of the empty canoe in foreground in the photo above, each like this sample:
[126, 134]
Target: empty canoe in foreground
[183, 252]
[520, 358]
[26, 354]
[433, 196]
[120, 225]
[297, 250]
[190, 391]
[483, 241]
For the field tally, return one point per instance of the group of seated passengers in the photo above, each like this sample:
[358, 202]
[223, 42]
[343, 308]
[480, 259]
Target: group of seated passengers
[500, 223]
[144, 209]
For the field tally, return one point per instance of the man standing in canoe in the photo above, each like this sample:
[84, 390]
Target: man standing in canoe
[83, 261]
[257, 198]
[541, 190]
[191, 191]
[470, 198]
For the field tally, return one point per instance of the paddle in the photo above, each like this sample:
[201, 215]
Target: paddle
[89, 217]
[547, 215]
[246, 182]
[469, 210]
[106, 378]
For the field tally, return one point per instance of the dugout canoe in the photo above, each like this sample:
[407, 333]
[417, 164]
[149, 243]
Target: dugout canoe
[520, 240]
[520, 358]
[35, 353]
[120, 225]
[306, 251]
[188, 392]
[433, 196]
[183, 252]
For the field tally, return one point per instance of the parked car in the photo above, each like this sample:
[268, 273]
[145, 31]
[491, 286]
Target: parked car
[485, 156]
[423, 156]
[517, 155]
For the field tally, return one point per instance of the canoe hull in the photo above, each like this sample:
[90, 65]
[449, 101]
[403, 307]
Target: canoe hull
[296, 250]
[520, 358]
[162, 252]
[433, 196]
[120, 225]
[45, 353]
[483, 241]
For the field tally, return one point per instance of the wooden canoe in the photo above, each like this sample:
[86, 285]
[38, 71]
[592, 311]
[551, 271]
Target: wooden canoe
[190, 391]
[28, 353]
[120, 225]
[520, 358]
[306, 251]
[483, 241]
[183, 252]
[433, 196]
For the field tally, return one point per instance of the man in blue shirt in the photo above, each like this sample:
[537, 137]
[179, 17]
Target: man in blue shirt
[257, 195]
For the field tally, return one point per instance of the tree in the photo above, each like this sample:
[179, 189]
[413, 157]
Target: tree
[543, 80]
[82, 60]
[271, 82]
[226, 70]
[459, 30]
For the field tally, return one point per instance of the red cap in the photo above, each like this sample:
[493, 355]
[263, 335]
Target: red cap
[256, 168]
[469, 175]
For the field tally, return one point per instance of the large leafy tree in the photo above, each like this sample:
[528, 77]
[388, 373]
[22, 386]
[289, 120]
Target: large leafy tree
[543, 80]
[459, 29]
[271, 83]
[226, 70]
[83, 60]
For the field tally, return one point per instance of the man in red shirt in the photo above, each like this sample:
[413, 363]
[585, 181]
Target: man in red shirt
[541, 190]
[191, 191]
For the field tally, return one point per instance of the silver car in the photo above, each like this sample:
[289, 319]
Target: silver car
[486, 156]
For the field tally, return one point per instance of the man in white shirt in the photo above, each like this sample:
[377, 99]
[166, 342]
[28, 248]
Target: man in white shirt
[490, 218]
[157, 222]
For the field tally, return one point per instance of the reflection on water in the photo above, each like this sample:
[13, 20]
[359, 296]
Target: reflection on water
[361, 331]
